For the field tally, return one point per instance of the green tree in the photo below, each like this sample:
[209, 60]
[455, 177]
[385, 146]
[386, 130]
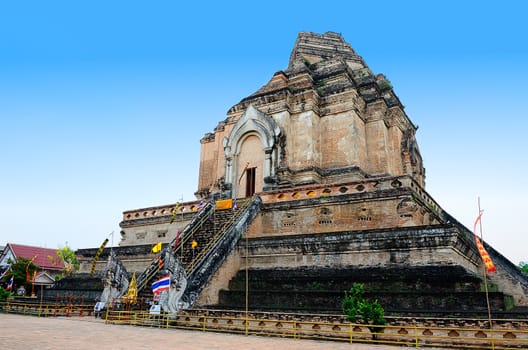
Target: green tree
[359, 310]
[71, 264]
[524, 267]
[4, 294]
[22, 271]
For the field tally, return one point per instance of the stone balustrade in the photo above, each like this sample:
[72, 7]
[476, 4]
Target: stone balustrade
[300, 193]
[160, 211]
[366, 185]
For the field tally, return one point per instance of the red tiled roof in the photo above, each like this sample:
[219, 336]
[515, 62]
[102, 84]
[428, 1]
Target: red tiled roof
[46, 258]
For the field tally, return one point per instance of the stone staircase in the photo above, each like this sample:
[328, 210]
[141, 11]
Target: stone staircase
[203, 245]
[179, 245]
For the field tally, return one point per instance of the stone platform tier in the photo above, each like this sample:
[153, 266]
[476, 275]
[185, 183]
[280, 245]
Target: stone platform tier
[413, 290]
[78, 288]
[416, 270]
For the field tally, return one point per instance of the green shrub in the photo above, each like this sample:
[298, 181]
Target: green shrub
[359, 310]
[4, 294]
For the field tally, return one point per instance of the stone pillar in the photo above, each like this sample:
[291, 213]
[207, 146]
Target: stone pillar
[268, 170]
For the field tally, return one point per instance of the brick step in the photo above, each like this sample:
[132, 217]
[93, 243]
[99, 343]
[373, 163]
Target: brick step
[423, 288]
[438, 278]
[203, 237]
[332, 300]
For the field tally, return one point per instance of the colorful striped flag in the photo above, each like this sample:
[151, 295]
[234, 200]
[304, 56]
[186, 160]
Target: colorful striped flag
[161, 284]
[486, 259]
[200, 205]
[10, 284]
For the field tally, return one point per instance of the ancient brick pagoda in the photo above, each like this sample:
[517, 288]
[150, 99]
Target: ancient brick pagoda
[328, 148]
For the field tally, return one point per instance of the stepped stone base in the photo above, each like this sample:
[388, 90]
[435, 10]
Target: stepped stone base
[80, 288]
[418, 289]
[415, 270]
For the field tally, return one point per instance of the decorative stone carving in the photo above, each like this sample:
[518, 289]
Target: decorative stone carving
[407, 207]
[172, 300]
[115, 280]
[288, 220]
[325, 216]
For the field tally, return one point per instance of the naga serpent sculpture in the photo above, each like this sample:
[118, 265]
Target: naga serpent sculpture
[173, 300]
[115, 280]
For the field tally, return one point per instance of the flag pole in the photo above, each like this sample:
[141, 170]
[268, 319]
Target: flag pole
[243, 172]
[486, 284]
[182, 227]
[41, 296]
[247, 285]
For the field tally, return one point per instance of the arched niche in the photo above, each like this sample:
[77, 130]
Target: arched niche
[241, 148]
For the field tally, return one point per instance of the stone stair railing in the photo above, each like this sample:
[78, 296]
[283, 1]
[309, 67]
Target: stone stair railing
[218, 247]
[198, 221]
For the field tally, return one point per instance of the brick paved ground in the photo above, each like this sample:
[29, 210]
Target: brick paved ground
[86, 333]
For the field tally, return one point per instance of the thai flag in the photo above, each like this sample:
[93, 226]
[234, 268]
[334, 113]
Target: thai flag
[201, 205]
[161, 284]
[234, 204]
[10, 284]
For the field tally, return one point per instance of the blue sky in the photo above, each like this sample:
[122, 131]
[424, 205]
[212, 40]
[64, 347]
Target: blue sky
[103, 104]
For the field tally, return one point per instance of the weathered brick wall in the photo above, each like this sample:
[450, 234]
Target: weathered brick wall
[151, 233]
[152, 225]
[333, 217]
[220, 279]
[135, 258]
[393, 247]
[343, 141]
[212, 160]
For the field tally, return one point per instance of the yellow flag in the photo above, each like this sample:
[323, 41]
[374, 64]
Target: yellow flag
[96, 257]
[194, 244]
[156, 248]
[224, 204]
[175, 212]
